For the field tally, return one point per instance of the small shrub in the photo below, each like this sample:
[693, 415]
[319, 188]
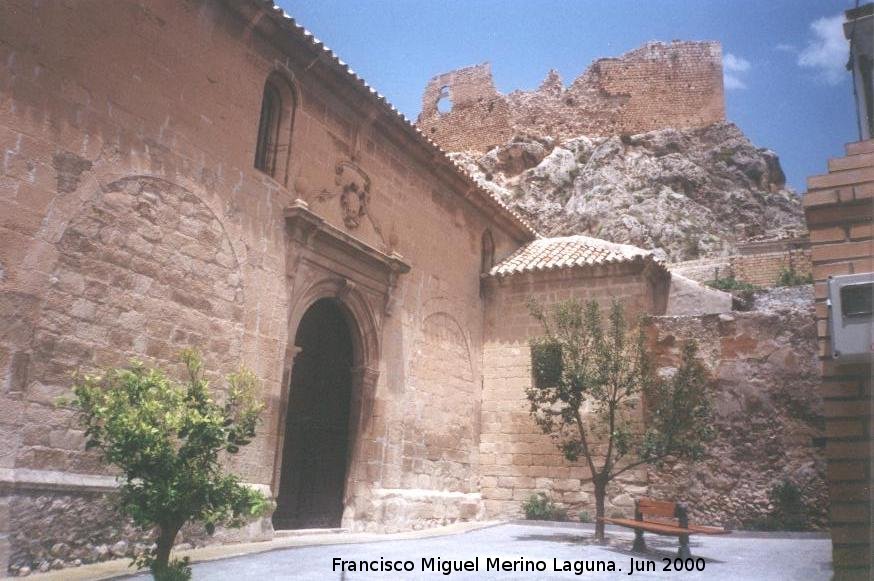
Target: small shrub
[729, 283]
[789, 277]
[617, 514]
[176, 570]
[585, 517]
[789, 507]
[724, 155]
[789, 513]
[540, 507]
[692, 247]
[573, 173]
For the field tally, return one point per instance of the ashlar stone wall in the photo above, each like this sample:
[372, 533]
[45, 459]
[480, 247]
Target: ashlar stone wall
[132, 222]
[516, 458]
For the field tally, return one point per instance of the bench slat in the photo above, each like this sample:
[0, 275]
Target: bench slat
[708, 530]
[658, 529]
[665, 529]
[656, 507]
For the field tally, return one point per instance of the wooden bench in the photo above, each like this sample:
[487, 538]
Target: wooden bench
[663, 518]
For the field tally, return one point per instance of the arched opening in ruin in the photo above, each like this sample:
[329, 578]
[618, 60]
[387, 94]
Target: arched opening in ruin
[317, 428]
[444, 100]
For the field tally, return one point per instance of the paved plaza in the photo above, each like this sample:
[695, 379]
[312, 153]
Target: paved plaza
[760, 556]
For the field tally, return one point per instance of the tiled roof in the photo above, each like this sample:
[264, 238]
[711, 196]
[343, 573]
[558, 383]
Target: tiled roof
[289, 24]
[566, 252]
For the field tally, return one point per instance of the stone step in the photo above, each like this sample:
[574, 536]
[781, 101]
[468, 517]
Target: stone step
[851, 162]
[841, 178]
[860, 147]
[307, 532]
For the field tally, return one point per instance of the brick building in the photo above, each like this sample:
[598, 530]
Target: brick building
[839, 213]
[839, 208]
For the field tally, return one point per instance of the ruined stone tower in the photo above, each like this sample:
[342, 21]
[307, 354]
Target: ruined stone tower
[676, 84]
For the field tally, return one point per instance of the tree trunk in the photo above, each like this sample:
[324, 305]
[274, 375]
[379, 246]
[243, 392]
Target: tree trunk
[600, 494]
[164, 543]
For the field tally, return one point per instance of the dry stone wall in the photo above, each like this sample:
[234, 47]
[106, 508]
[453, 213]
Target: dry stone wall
[48, 530]
[768, 413]
[658, 85]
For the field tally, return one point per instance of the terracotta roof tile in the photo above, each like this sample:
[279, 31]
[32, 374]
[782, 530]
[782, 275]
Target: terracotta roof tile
[567, 252]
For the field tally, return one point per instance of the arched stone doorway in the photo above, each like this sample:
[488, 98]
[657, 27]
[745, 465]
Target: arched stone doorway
[317, 425]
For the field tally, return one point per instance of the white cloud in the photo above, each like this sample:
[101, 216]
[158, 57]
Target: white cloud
[828, 52]
[734, 63]
[733, 68]
[731, 81]
[785, 47]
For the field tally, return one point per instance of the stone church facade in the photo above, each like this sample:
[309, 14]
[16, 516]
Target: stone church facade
[207, 173]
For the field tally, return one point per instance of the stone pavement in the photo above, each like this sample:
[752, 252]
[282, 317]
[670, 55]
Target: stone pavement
[760, 556]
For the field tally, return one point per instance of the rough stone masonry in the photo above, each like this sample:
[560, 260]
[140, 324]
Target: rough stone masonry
[676, 84]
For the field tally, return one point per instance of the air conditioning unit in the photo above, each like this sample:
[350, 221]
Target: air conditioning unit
[851, 316]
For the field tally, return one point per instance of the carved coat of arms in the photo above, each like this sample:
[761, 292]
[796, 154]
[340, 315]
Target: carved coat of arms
[355, 194]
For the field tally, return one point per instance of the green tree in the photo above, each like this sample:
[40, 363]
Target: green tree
[166, 438]
[578, 363]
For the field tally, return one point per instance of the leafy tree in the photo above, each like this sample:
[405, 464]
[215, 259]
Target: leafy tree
[578, 364]
[166, 438]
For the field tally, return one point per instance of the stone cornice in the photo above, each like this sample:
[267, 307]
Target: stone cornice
[310, 230]
[29, 479]
[16, 479]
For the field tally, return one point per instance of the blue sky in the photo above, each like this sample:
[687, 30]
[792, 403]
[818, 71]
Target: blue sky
[785, 83]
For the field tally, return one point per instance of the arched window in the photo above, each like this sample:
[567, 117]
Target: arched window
[274, 128]
[487, 255]
[268, 129]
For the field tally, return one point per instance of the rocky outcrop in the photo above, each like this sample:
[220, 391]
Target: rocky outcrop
[688, 194]
[688, 297]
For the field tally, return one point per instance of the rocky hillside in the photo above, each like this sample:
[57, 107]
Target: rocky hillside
[690, 193]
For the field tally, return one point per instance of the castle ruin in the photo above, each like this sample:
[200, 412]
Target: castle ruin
[676, 84]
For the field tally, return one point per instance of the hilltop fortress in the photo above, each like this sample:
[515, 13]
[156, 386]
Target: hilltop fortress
[676, 84]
